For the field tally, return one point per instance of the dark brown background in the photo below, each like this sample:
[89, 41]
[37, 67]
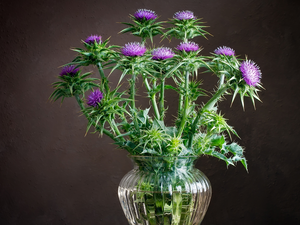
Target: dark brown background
[51, 174]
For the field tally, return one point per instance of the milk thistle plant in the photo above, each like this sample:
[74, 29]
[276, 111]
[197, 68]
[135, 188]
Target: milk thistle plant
[199, 129]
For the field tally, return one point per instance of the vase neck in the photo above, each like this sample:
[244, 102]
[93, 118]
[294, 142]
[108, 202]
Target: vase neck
[163, 164]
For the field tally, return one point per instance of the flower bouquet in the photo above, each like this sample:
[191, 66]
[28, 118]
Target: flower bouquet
[164, 187]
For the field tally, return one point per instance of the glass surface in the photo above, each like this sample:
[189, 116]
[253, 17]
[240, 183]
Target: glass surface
[164, 191]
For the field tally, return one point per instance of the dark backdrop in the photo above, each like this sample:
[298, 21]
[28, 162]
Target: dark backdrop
[50, 173]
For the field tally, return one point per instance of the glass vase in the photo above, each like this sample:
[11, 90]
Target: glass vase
[164, 191]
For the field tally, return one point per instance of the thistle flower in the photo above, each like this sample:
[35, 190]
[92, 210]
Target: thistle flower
[134, 49]
[224, 51]
[162, 53]
[70, 70]
[92, 39]
[184, 15]
[188, 46]
[95, 98]
[145, 13]
[250, 72]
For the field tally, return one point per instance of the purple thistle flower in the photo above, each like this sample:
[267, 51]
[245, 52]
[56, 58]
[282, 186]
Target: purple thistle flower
[188, 46]
[95, 98]
[162, 53]
[92, 39]
[224, 51]
[145, 13]
[134, 49]
[251, 72]
[70, 70]
[184, 15]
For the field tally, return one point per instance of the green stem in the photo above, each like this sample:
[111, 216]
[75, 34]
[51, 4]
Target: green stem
[132, 97]
[186, 105]
[185, 38]
[152, 98]
[180, 100]
[162, 98]
[222, 77]
[103, 77]
[211, 103]
[154, 104]
[106, 132]
[132, 90]
[143, 41]
[208, 106]
[116, 129]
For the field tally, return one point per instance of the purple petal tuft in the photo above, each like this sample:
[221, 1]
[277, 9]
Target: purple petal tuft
[162, 53]
[92, 39]
[224, 51]
[69, 71]
[95, 98]
[188, 46]
[145, 13]
[251, 72]
[184, 15]
[134, 49]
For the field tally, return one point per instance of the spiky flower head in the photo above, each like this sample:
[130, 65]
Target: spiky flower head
[188, 46]
[184, 15]
[224, 51]
[250, 72]
[140, 14]
[134, 49]
[92, 39]
[70, 70]
[162, 53]
[95, 98]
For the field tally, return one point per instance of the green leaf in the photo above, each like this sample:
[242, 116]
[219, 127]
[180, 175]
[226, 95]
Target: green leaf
[218, 141]
[235, 149]
[125, 72]
[186, 152]
[150, 151]
[160, 124]
[124, 134]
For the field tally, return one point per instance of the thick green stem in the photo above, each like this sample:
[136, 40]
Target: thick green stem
[132, 90]
[152, 98]
[162, 98]
[180, 102]
[103, 77]
[208, 106]
[154, 104]
[106, 132]
[186, 105]
[222, 77]
[143, 41]
[116, 129]
[132, 97]
[211, 103]
[185, 38]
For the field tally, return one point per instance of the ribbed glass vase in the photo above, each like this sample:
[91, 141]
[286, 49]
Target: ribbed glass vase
[164, 191]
